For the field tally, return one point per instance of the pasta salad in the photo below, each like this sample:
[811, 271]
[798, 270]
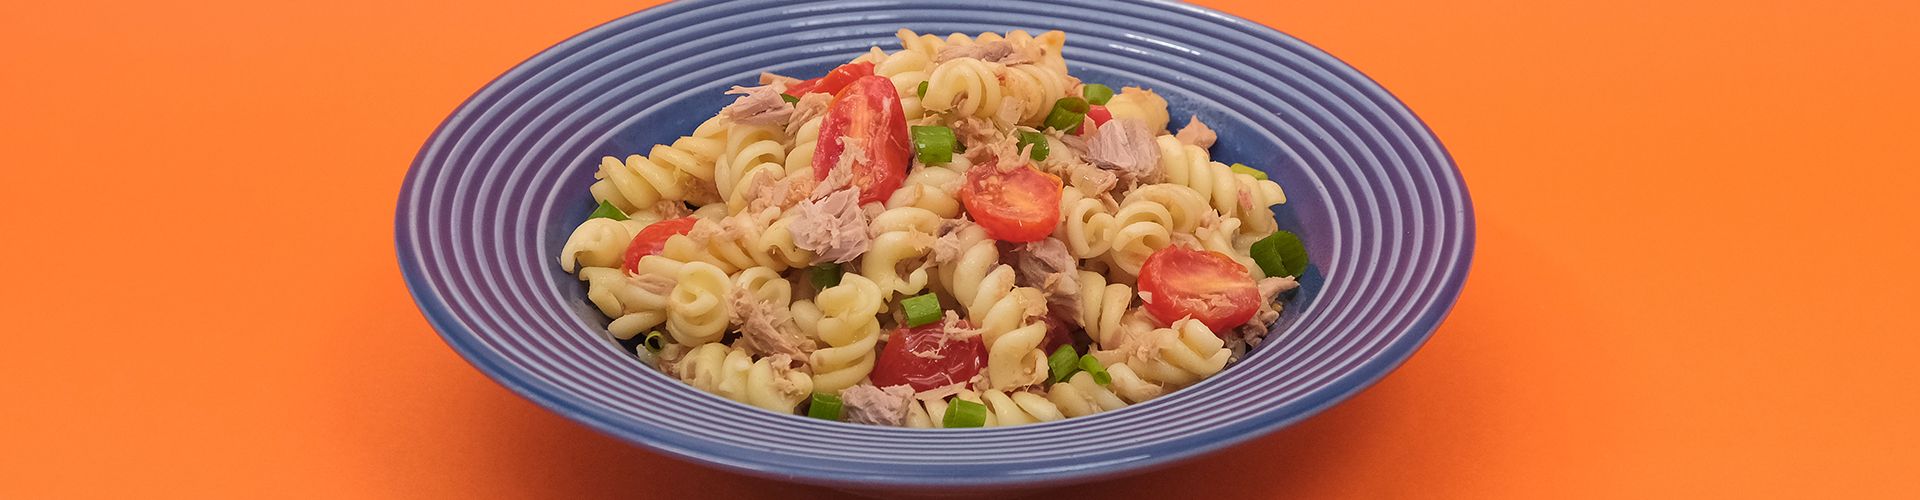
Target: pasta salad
[955, 234]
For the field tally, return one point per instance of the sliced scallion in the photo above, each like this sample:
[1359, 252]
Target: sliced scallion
[1280, 254]
[1097, 93]
[921, 310]
[609, 211]
[922, 91]
[824, 406]
[1067, 113]
[789, 99]
[1039, 143]
[933, 144]
[1243, 169]
[654, 341]
[824, 275]
[1093, 366]
[963, 413]
[1063, 363]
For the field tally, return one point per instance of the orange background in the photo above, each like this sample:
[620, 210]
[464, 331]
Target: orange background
[1696, 272]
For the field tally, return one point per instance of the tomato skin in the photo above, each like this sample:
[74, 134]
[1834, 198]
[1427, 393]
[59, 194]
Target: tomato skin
[867, 113]
[653, 238]
[1019, 206]
[1205, 285]
[1098, 115]
[833, 81]
[957, 360]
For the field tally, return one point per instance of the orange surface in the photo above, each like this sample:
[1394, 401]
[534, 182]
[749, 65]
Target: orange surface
[1696, 271]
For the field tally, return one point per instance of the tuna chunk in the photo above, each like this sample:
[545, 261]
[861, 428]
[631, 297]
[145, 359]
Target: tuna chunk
[834, 228]
[1196, 133]
[813, 105]
[1126, 147]
[997, 51]
[1046, 265]
[758, 106]
[866, 404]
[767, 329]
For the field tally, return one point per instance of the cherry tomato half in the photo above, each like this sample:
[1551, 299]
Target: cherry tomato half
[833, 82]
[1020, 205]
[1203, 284]
[653, 238]
[924, 358]
[1098, 115]
[867, 113]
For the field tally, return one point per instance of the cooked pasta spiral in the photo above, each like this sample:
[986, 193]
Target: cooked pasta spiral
[751, 151]
[1080, 396]
[738, 242]
[733, 374]
[906, 69]
[1175, 356]
[698, 306]
[598, 242]
[966, 87]
[901, 237]
[933, 188]
[1102, 308]
[1016, 408]
[805, 140]
[635, 303]
[850, 327]
[1002, 312]
[1148, 219]
[1233, 194]
[675, 172]
[1036, 87]
[1140, 104]
[1086, 224]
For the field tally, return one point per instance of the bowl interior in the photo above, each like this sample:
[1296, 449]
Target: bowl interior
[496, 191]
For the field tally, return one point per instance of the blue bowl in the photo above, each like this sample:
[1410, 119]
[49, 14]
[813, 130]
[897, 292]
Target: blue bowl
[496, 190]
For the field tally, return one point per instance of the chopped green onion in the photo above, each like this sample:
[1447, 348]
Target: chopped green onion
[933, 144]
[1067, 113]
[1243, 169]
[1093, 366]
[1039, 143]
[963, 413]
[1097, 93]
[789, 99]
[921, 310]
[609, 211]
[922, 92]
[654, 341]
[1280, 254]
[824, 275]
[824, 406]
[1063, 363]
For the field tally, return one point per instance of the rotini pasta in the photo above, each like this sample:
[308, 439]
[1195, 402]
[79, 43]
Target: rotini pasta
[733, 374]
[1233, 194]
[850, 327]
[680, 172]
[917, 268]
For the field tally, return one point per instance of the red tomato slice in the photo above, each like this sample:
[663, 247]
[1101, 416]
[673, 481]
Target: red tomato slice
[833, 82]
[1020, 205]
[653, 238]
[1205, 285]
[867, 113]
[1098, 115]
[924, 358]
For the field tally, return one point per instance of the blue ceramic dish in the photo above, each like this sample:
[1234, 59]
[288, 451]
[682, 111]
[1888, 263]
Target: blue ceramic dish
[495, 191]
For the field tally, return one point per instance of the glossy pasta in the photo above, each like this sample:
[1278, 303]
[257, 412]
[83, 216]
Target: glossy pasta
[804, 251]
